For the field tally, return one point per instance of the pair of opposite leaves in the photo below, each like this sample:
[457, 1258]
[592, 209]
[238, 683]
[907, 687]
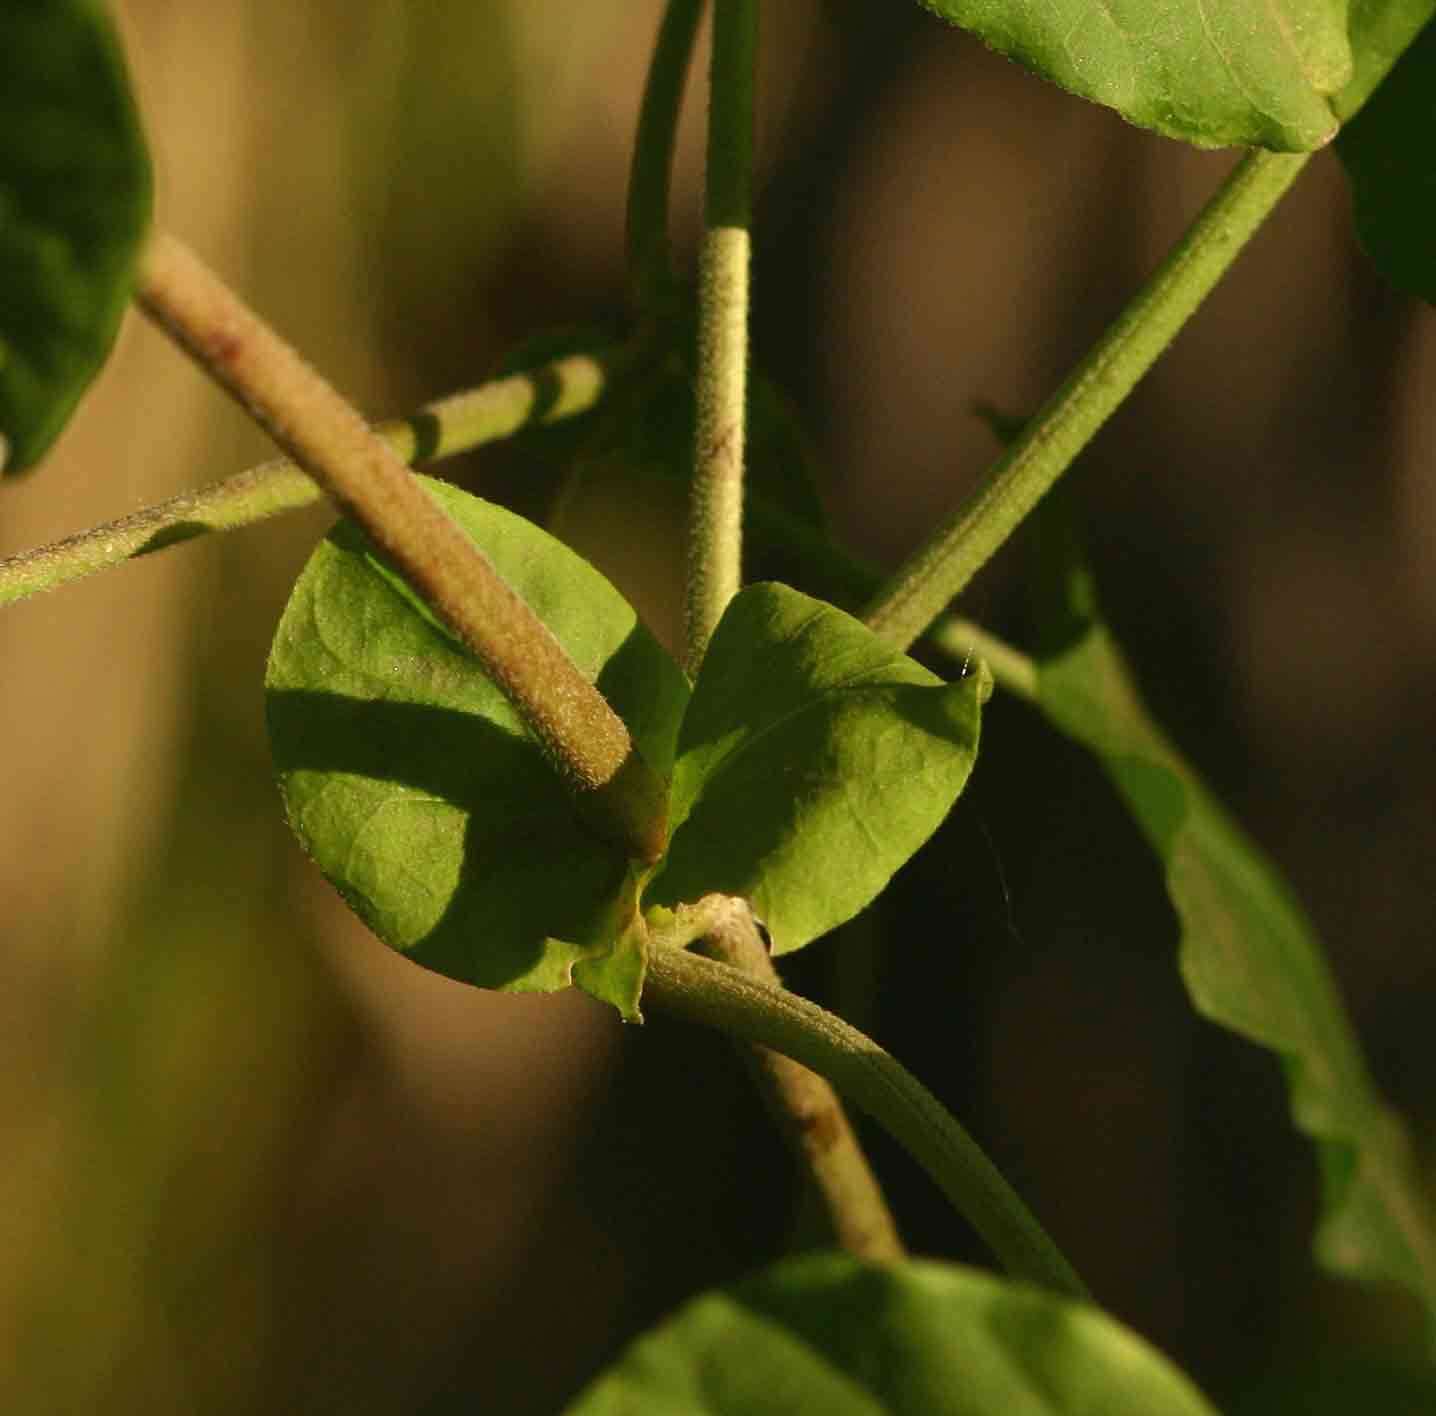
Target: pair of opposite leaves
[808, 762]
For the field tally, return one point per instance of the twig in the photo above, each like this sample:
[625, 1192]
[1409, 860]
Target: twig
[803, 1104]
[439, 429]
[716, 995]
[1049, 442]
[581, 735]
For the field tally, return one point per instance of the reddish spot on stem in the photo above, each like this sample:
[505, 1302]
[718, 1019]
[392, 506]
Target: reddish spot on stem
[725, 444]
[225, 346]
[819, 1128]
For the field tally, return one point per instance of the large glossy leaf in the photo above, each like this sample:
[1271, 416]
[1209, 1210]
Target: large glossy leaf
[412, 783]
[814, 759]
[1211, 72]
[1389, 150]
[826, 1334]
[74, 204]
[1248, 955]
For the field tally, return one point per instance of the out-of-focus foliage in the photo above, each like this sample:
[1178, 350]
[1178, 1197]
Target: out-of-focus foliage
[1389, 149]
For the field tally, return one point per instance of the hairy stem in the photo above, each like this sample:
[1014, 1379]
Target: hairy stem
[439, 429]
[705, 991]
[803, 1104]
[715, 528]
[582, 736]
[1048, 443]
[650, 176]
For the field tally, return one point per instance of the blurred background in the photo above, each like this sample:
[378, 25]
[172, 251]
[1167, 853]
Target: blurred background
[254, 1162]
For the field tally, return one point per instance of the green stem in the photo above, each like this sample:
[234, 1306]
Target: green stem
[803, 1104]
[1049, 442]
[718, 996]
[584, 739]
[732, 82]
[715, 528]
[651, 174]
[440, 429]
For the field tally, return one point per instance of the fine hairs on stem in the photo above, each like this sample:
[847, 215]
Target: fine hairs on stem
[583, 737]
[439, 429]
[803, 1104]
[716, 995]
[715, 526]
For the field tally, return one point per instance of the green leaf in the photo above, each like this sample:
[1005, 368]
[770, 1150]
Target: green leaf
[418, 792]
[1248, 955]
[814, 759]
[1389, 150]
[1215, 73]
[74, 205]
[825, 1333]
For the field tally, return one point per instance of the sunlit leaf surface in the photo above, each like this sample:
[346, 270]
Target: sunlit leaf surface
[1216, 73]
[413, 784]
[814, 759]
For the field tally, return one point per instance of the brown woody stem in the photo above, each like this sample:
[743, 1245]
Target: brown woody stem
[581, 735]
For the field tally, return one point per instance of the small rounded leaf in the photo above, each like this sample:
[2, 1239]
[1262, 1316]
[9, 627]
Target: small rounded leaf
[417, 790]
[814, 759]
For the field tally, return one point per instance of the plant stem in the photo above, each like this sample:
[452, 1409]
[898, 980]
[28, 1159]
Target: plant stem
[650, 176]
[583, 737]
[715, 528]
[803, 1104]
[711, 993]
[732, 79]
[932, 576]
[439, 429]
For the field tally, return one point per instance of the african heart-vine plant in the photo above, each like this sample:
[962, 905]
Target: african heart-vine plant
[508, 778]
